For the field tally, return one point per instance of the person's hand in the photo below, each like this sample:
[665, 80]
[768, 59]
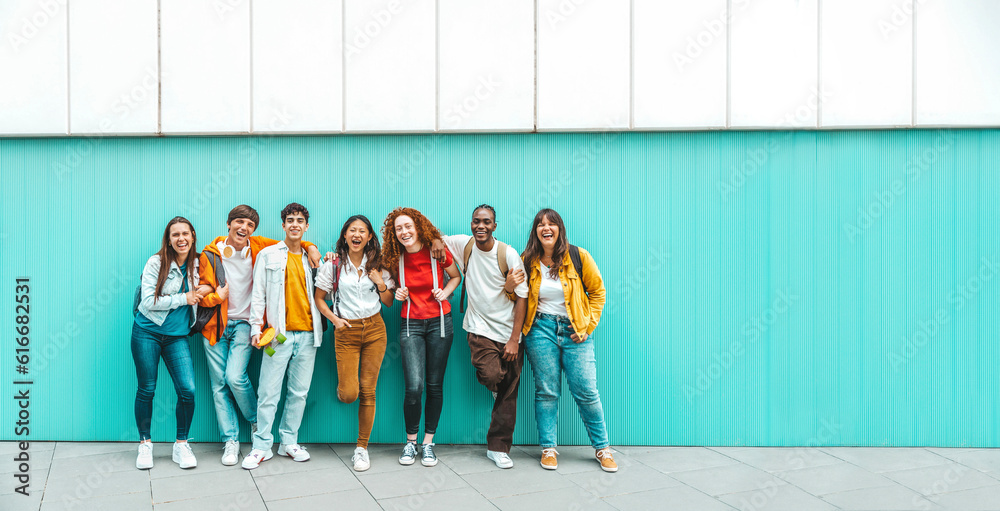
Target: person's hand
[514, 279]
[330, 256]
[204, 289]
[510, 350]
[314, 257]
[193, 297]
[376, 277]
[439, 295]
[340, 323]
[255, 340]
[578, 337]
[223, 291]
[402, 294]
[438, 250]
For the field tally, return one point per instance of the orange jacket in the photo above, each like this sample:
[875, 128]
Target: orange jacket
[208, 277]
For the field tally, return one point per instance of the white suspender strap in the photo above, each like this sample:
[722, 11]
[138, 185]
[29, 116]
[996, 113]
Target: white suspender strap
[434, 272]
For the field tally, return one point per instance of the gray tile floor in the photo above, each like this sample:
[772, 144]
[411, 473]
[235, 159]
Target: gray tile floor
[101, 476]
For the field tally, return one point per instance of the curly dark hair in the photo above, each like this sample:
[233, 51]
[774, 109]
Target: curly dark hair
[294, 207]
[392, 249]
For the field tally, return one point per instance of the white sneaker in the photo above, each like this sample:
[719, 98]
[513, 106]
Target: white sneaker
[230, 453]
[255, 457]
[183, 455]
[294, 451]
[500, 458]
[360, 459]
[145, 459]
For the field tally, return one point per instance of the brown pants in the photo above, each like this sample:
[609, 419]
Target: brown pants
[360, 349]
[500, 376]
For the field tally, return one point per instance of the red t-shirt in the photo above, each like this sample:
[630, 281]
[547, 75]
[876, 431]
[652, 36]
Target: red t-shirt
[419, 281]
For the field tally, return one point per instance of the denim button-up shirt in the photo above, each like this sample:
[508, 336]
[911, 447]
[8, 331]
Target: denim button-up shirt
[269, 292]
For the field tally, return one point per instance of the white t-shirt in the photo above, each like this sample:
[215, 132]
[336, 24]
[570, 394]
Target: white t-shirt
[358, 296]
[489, 312]
[551, 298]
[239, 278]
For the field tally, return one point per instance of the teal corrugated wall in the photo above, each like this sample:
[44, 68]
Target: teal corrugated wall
[765, 288]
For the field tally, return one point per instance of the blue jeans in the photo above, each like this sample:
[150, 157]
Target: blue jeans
[227, 367]
[297, 355]
[551, 351]
[147, 348]
[425, 357]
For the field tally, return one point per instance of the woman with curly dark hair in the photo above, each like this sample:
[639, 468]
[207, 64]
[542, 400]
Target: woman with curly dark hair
[357, 283]
[426, 335]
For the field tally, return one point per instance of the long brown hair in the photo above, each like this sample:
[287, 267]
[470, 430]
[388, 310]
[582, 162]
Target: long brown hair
[392, 249]
[534, 251]
[168, 254]
[372, 250]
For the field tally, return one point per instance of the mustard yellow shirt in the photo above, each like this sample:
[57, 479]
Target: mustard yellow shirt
[298, 316]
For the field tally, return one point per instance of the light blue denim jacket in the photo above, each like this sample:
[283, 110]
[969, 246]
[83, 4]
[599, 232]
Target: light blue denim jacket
[171, 297]
[269, 292]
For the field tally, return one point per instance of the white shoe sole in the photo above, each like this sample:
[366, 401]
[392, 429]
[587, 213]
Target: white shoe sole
[362, 469]
[177, 460]
[266, 457]
[230, 463]
[281, 452]
[143, 466]
[546, 467]
[406, 462]
[428, 463]
[497, 463]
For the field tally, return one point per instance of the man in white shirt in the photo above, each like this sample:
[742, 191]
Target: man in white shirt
[496, 308]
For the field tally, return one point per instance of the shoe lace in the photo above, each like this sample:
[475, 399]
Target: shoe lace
[186, 449]
[145, 448]
[429, 451]
[604, 453]
[230, 447]
[410, 449]
[551, 451]
[360, 454]
[503, 456]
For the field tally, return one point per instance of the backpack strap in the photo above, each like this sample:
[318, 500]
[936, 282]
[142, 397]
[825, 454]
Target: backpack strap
[574, 255]
[466, 255]
[434, 277]
[402, 284]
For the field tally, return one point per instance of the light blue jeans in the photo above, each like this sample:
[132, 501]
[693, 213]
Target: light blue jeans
[297, 355]
[551, 351]
[227, 367]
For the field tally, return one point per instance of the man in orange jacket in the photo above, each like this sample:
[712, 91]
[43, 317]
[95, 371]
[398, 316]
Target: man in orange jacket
[227, 333]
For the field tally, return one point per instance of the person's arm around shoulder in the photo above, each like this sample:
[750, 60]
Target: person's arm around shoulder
[258, 298]
[595, 287]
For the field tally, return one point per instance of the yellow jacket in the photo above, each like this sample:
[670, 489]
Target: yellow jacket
[584, 311]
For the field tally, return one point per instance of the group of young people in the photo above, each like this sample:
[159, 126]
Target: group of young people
[245, 292]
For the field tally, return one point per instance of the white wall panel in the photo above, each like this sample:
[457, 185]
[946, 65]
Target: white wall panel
[958, 63]
[390, 60]
[486, 65]
[33, 59]
[866, 63]
[205, 62]
[773, 64]
[583, 64]
[297, 65]
[114, 75]
[680, 63]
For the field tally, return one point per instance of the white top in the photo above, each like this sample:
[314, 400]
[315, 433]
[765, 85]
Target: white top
[239, 278]
[551, 299]
[489, 313]
[358, 297]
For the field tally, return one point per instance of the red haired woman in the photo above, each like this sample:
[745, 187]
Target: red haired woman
[426, 335]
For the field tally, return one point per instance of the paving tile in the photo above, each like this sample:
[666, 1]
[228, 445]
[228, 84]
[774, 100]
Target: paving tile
[75, 449]
[505, 483]
[778, 459]
[18, 502]
[635, 450]
[949, 477]
[383, 457]
[320, 457]
[36, 482]
[631, 477]
[14, 447]
[986, 460]
[96, 484]
[242, 501]
[37, 460]
[776, 497]
[986, 498]
[563, 498]
[130, 501]
[726, 479]
[198, 485]
[682, 459]
[878, 459]
[355, 500]
[888, 498]
[418, 479]
[834, 478]
[122, 461]
[572, 459]
[303, 484]
[463, 499]
[475, 460]
[679, 498]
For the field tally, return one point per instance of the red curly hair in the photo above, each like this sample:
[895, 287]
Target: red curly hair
[392, 249]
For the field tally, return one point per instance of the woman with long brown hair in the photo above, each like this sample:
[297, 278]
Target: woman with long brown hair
[166, 312]
[357, 283]
[426, 335]
[565, 300]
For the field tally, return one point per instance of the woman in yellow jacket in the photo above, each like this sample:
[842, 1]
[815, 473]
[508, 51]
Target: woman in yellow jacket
[563, 311]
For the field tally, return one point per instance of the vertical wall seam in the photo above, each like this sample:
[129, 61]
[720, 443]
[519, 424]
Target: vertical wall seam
[250, 68]
[159, 69]
[437, 65]
[535, 113]
[69, 90]
[913, 68]
[343, 66]
[631, 64]
[729, 63]
[819, 63]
